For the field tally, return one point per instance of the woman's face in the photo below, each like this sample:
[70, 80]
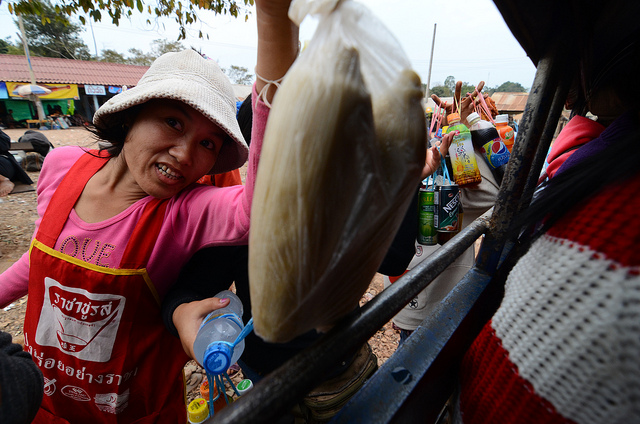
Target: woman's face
[170, 145]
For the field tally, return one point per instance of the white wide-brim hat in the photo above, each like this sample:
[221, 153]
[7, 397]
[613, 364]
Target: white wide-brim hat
[198, 82]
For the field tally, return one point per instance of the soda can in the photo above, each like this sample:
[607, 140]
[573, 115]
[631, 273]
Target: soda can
[427, 234]
[447, 201]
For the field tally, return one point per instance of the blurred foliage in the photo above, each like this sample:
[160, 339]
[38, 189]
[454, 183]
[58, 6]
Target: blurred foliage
[447, 88]
[184, 13]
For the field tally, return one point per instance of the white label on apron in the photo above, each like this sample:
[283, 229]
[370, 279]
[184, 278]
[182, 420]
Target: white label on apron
[80, 323]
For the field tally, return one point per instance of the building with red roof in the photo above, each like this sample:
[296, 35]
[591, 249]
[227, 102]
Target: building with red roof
[78, 87]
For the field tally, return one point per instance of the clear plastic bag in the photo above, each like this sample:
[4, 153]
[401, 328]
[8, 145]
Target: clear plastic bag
[343, 150]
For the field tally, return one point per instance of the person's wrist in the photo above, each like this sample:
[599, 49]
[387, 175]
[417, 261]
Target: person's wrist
[177, 315]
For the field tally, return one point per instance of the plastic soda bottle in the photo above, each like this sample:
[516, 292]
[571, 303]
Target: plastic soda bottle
[213, 347]
[505, 131]
[463, 158]
[485, 138]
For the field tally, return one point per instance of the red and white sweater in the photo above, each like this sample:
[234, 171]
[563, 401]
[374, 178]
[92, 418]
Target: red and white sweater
[564, 346]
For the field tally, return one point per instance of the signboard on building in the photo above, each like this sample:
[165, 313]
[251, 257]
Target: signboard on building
[96, 90]
[58, 91]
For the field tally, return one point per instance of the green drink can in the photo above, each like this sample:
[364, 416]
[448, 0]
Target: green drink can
[427, 234]
[447, 201]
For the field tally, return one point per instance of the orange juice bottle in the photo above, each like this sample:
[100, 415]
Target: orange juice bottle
[463, 158]
[505, 131]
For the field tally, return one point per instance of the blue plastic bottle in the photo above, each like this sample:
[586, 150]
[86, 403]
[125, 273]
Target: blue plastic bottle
[213, 347]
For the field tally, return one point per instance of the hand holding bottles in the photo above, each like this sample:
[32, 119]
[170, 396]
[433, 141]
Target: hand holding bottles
[220, 339]
[466, 104]
[435, 154]
[188, 316]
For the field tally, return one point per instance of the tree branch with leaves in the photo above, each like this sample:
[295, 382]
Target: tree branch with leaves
[185, 13]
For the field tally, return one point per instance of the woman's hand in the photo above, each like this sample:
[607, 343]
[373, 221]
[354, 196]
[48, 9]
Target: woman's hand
[436, 153]
[188, 317]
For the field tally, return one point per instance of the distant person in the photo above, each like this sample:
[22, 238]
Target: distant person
[9, 121]
[10, 170]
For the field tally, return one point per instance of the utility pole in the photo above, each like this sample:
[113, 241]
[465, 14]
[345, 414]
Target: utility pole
[95, 46]
[433, 42]
[25, 44]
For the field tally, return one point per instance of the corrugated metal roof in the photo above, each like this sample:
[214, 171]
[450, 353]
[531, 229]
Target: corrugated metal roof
[510, 102]
[67, 71]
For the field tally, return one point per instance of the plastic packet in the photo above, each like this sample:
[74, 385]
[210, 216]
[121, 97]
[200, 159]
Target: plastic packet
[342, 155]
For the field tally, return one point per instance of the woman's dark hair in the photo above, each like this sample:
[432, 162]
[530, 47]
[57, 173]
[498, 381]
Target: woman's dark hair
[115, 133]
[245, 119]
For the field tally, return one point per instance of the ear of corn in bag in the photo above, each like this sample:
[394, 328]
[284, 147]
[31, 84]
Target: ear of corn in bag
[342, 155]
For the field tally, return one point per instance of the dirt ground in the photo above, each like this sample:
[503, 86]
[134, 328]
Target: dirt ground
[18, 214]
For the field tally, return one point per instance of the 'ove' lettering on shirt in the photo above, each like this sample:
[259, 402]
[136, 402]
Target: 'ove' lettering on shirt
[88, 250]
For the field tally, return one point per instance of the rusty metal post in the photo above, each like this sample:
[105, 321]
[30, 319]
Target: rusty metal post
[551, 69]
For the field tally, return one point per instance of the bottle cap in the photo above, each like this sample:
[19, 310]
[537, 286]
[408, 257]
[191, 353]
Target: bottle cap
[217, 358]
[198, 410]
[204, 389]
[244, 386]
[453, 118]
[501, 119]
[473, 117]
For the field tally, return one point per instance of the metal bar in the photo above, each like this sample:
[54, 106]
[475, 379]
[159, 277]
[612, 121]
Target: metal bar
[548, 132]
[380, 399]
[551, 68]
[278, 392]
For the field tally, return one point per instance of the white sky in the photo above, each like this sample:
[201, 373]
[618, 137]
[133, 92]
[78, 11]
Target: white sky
[472, 41]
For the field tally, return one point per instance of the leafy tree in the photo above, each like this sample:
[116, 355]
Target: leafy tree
[185, 13]
[510, 87]
[137, 57]
[467, 88]
[54, 36]
[450, 83]
[4, 47]
[112, 56]
[7, 46]
[441, 91]
[239, 75]
[160, 47]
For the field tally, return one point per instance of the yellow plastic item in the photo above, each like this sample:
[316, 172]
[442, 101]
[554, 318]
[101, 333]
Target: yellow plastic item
[198, 410]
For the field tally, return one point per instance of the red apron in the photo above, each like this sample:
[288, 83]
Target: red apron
[95, 332]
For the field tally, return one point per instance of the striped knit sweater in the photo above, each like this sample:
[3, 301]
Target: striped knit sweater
[564, 346]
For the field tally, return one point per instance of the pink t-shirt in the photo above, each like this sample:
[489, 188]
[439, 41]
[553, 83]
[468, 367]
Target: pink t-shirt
[198, 217]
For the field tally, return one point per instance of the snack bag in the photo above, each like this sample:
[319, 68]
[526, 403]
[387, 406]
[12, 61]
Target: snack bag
[342, 155]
